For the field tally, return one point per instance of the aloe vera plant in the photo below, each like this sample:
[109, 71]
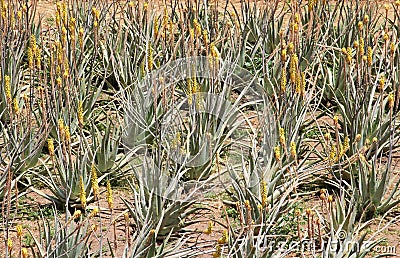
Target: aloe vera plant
[57, 239]
[345, 237]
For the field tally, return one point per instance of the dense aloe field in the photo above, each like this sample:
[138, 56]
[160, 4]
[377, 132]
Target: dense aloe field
[199, 128]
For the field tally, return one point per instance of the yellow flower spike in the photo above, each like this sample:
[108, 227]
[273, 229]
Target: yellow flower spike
[131, 4]
[332, 154]
[19, 15]
[369, 56]
[295, 27]
[247, 205]
[303, 84]
[63, 34]
[30, 58]
[59, 81]
[297, 212]
[366, 18]
[197, 27]
[61, 126]
[50, 146]
[356, 44]
[191, 33]
[336, 120]
[282, 138]
[109, 195]
[95, 13]
[386, 7]
[357, 138]
[205, 37]
[360, 25]
[214, 51]
[72, 23]
[344, 51]
[264, 193]
[346, 144]
[330, 198]
[386, 36]
[126, 217]
[277, 152]
[80, 114]
[94, 212]
[298, 83]
[293, 67]
[283, 80]
[392, 48]
[64, 11]
[165, 19]
[66, 73]
[311, 5]
[349, 55]
[297, 18]
[95, 184]
[38, 57]
[67, 134]
[155, 28]
[218, 251]
[24, 253]
[322, 196]
[364, 58]
[150, 58]
[9, 244]
[293, 150]
[224, 238]
[209, 229]
[381, 83]
[19, 231]
[93, 228]
[361, 49]
[190, 90]
[7, 88]
[341, 152]
[142, 68]
[82, 194]
[145, 5]
[59, 60]
[80, 37]
[291, 47]
[76, 214]
[58, 19]
[284, 55]
[327, 136]
[32, 43]
[397, 3]
[391, 100]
